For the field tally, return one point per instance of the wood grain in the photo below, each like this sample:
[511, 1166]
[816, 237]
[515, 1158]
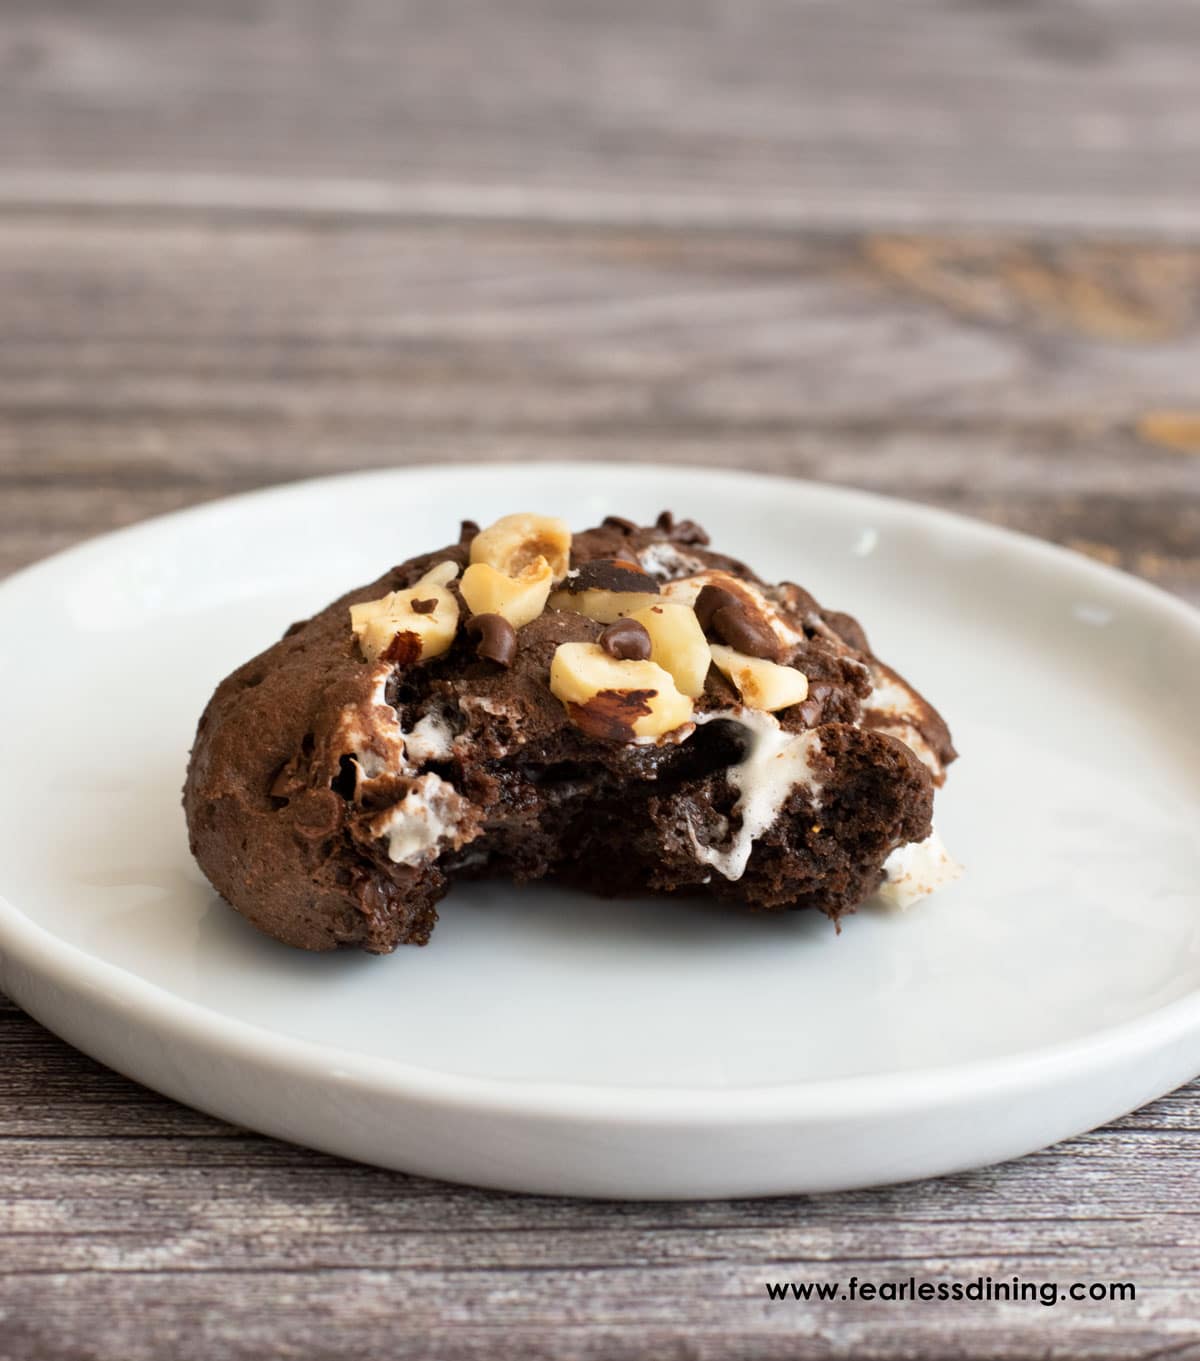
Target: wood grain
[951, 253]
[1044, 386]
[132, 1227]
[773, 113]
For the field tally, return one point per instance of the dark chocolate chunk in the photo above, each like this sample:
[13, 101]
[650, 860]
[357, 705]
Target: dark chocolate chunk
[689, 532]
[736, 622]
[686, 531]
[467, 531]
[627, 640]
[810, 712]
[619, 522]
[848, 629]
[423, 606]
[607, 574]
[709, 601]
[288, 781]
[746, 632]
[497, 639]
[318, 814]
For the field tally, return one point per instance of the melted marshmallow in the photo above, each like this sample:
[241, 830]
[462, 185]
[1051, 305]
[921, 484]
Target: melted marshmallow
[776, 763]
[378, 748]
[915, 870]
[422, 823]
[495, 708]
[430, 815]
[891, 697]
[668, 560]
[430, 740]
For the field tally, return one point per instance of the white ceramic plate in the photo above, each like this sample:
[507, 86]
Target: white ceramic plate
[548, 1042]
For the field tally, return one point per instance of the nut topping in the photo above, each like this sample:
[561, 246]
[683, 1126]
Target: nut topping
[677, 644]
[392, 629]
[606, 589]
[515, 543]
[762, 684]
[616, 700]
[602, 606]
[519, 599]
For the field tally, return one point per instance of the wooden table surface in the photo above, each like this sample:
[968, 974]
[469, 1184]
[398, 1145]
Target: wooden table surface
[945, 250]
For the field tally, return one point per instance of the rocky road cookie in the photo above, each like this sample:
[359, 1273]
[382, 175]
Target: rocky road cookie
[621, 709]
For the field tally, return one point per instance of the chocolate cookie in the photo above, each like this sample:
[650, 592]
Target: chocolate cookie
[621, 709]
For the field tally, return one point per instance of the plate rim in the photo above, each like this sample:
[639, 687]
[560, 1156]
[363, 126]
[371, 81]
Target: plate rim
[26, 944]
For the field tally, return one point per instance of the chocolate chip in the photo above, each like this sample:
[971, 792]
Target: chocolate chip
[737, 626]
[810, 712]
[608, 574]
[627, 640]
[317, 815]
[710, 600]
[497, 638]
[467, 531]
[736, 623]
[423, 606]
[287, 782]
[688, 531]
[618, 522]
